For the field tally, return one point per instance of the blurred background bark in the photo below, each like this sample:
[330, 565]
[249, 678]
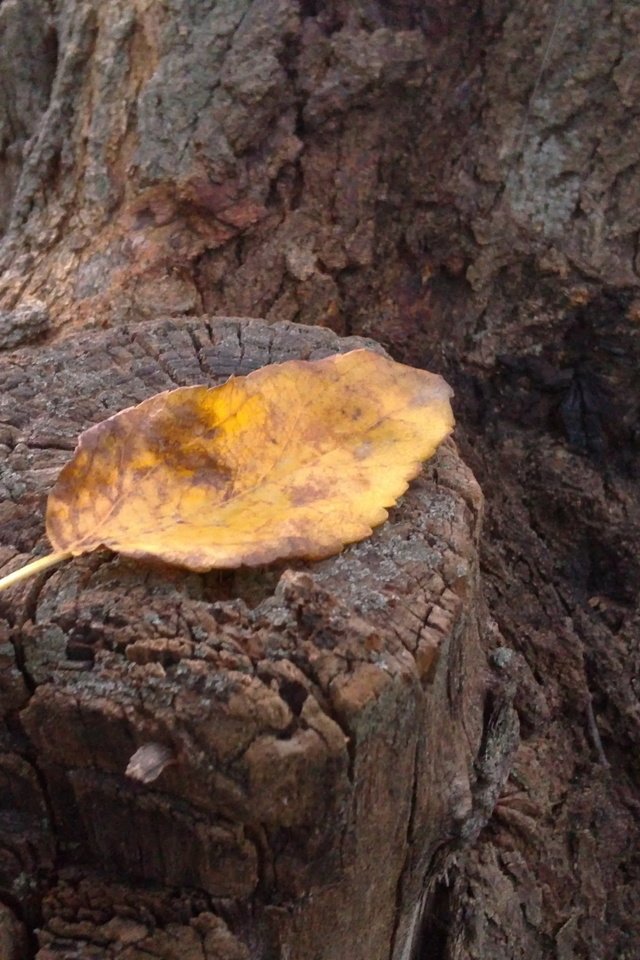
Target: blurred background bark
[458, 179]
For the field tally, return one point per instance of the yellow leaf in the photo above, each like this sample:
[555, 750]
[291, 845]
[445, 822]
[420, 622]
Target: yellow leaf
[294, 460]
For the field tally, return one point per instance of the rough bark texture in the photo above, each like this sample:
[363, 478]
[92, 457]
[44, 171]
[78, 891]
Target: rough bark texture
[458, 179]
[326, 726]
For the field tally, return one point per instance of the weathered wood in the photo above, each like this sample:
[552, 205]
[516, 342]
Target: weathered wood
[13, 940]
[457, 179]
[325, 720]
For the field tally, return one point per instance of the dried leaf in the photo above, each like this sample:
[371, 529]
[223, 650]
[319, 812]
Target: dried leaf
[294, 460]
[148, 762]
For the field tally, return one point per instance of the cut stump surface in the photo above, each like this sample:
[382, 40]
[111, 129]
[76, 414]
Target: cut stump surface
[325, 725]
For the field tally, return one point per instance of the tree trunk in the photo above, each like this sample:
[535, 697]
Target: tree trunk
[458, 180]
[320, 727]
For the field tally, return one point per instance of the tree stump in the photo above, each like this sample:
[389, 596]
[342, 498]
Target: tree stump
[326, 725]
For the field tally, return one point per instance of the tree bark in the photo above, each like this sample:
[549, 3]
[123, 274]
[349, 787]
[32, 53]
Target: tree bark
[459, 180]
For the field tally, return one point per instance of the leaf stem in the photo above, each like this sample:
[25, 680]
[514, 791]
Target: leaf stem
[36, 566]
